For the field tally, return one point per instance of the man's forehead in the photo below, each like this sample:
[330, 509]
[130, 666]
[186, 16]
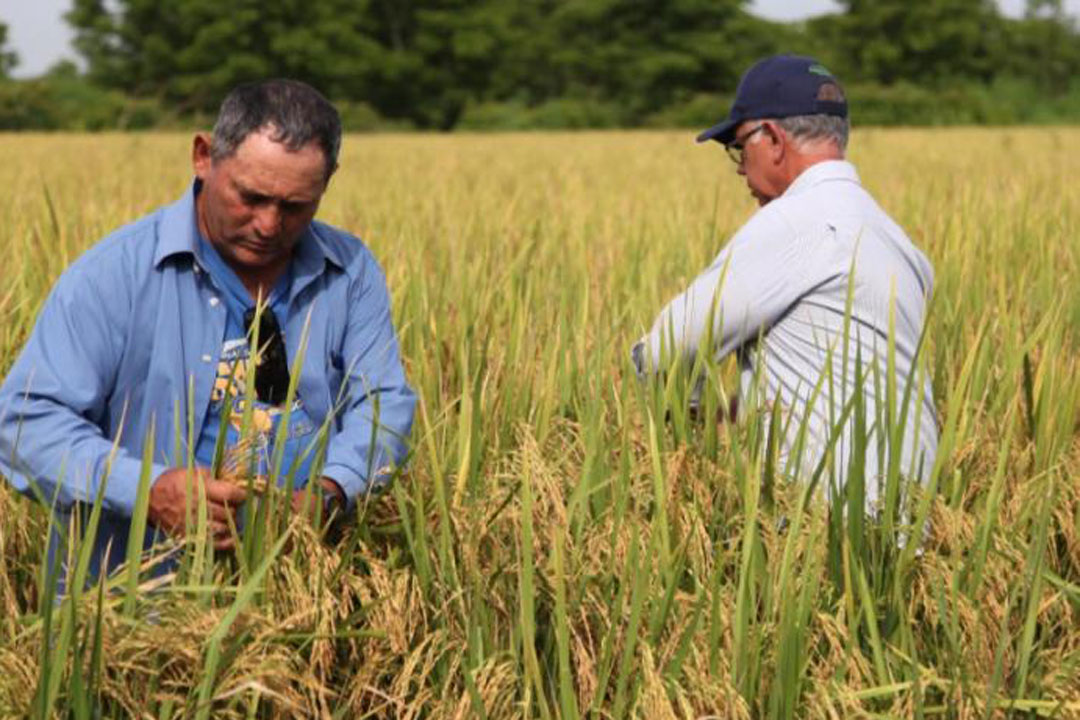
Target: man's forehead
[263, 144]
[261, 153]
[279, 187]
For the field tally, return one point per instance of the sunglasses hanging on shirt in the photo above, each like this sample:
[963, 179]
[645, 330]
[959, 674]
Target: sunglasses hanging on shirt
[272, 372]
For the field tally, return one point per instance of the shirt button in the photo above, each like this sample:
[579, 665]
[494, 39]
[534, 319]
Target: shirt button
[213, 302]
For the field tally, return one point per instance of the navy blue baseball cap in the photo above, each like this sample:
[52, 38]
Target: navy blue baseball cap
[778, 87]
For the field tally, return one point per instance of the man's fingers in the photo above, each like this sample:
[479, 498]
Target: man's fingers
[215, 512]
[218, 528]
[224, 542]
[169, 496]
[221, 533]
[220, 513]
[220, 491]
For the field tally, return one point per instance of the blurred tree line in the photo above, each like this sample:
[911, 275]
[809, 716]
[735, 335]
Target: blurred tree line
[443, 64]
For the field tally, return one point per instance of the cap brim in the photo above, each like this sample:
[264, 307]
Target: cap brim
[722, 133]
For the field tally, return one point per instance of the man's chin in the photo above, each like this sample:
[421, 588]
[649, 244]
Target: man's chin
[257, 254]
[244, 261]
[247, 258]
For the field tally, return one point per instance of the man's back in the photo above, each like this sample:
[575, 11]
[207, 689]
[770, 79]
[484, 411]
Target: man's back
[822, 296]
[778, 295]
[849, 251]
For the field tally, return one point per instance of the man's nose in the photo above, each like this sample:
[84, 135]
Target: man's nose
[268, 220]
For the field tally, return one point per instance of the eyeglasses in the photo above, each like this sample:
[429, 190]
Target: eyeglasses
[736, 149]
[272, 372]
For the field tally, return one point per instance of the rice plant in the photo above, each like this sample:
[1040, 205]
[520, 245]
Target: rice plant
[567, 542]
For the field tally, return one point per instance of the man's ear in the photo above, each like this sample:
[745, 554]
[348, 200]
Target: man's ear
[330, 175]
[201, 160]
[778, 145]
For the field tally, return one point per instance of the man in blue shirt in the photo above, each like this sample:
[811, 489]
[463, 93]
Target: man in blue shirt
[146, 339]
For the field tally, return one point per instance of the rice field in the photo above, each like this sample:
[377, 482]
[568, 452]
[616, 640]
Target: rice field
[570, 543]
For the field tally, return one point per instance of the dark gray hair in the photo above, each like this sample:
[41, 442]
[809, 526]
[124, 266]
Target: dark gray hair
[809, 128]
[294, 112]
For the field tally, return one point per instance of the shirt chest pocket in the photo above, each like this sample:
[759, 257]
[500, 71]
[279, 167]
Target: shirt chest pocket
[335, 373]
[337, 364]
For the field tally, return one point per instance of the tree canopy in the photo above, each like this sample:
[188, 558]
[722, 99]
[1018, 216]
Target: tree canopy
[448, 63]
[8, 59]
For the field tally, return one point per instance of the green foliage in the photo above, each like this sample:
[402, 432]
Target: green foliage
[504, 64]
[361, 117]
[640, 53]
[700, 111]
[8, 59]
[190, 53]
[413, 61]
[63, 100]
[1004, 101]
[566, 113]
[1043, 47]
[566, 540]
[927, 43]
[431, 61]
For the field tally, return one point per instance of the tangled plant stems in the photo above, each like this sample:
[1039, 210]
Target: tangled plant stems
[566, 542]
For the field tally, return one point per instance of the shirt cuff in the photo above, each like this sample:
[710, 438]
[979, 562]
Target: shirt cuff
[354, 484]
[122, 484]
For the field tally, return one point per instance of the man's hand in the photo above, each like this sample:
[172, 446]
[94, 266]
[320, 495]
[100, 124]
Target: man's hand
[168, 503]
[312, 509]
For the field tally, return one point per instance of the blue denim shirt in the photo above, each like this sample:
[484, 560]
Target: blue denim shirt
[135, 326]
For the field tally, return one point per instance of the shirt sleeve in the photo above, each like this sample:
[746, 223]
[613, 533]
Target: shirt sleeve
[376, 412]
[54, 401]
[750, 284]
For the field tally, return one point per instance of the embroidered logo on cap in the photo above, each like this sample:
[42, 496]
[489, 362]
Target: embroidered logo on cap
[830, 92]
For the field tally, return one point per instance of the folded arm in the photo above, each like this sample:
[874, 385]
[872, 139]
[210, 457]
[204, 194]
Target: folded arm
[754, 280]
[376, 411]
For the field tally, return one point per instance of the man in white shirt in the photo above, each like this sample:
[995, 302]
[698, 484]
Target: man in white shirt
[778, 293]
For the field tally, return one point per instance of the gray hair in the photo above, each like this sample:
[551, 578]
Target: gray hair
[810, 128]
[294, 112]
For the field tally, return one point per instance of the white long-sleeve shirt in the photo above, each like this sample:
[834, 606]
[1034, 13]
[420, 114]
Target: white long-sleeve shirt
[785, 278]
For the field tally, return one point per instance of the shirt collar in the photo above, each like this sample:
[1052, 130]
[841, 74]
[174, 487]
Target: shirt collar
[313, 252]
[822, 172]
[178, 234]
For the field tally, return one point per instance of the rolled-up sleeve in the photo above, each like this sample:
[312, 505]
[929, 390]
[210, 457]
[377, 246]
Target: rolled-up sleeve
[54, 401]
[752, 282]
[376, 412]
